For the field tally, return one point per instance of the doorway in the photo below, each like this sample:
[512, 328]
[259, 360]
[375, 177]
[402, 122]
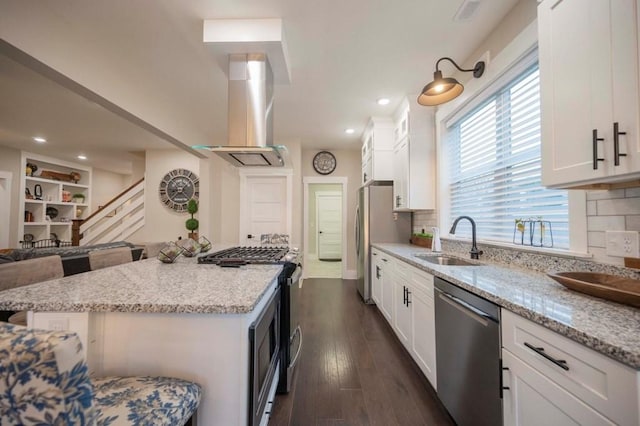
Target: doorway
[265, 207]
[325, 227]
[5, 208]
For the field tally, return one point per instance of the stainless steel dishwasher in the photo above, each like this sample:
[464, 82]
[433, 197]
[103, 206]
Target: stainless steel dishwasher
[468, 355]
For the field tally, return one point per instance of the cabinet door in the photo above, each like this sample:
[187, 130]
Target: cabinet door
[534, 400]
[376, 276]
[423, 335]
[588, 56]
[402, 321]
[387, 290]
[401, 175]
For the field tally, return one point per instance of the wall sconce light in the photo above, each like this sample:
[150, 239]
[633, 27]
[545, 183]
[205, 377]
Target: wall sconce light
[442, 90]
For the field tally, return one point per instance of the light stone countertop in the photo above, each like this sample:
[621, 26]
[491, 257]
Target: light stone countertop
[149, 286]
[607, 327]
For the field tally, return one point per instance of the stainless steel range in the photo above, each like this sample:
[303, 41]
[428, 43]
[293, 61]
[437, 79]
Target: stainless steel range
[289, 283]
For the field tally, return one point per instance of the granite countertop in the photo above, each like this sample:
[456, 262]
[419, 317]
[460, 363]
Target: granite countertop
[149, 286]
[607, 327]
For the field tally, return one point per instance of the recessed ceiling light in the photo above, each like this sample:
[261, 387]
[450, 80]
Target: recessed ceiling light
[383, 101]
[349, 131]
[82, 157]
[39, 139]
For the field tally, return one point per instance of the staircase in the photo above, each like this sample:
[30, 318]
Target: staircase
[115, 221]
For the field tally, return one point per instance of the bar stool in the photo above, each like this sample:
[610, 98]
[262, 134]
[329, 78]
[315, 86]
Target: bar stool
[25, 272]
[99, 259]
[45, 380]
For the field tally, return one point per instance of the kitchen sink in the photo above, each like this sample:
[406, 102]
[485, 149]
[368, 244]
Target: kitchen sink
[444, 260]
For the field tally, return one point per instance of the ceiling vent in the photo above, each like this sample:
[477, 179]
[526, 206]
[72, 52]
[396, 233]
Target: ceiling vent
[466, 10]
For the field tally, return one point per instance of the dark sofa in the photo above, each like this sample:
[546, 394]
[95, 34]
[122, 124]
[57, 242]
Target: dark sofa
[75, 259]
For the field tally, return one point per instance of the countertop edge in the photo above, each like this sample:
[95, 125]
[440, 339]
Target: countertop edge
[617, 353]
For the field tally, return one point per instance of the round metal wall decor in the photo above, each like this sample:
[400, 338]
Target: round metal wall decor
[324, 162]
[178, 187]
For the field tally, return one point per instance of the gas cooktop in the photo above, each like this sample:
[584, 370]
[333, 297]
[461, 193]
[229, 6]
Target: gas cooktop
[243, 255]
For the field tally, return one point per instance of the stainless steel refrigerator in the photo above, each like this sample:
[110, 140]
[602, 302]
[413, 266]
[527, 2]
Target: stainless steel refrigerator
[376, 223]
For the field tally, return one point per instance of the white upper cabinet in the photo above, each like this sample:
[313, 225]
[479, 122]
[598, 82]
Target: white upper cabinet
[589, 75]
[413, 157]
[377, 149]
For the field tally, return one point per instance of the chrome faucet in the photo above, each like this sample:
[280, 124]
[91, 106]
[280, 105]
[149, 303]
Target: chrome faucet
[475, 253]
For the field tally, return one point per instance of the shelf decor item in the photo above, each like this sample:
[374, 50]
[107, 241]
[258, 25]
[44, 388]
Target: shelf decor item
[190, 247]
[170, 253]
[192, 223]
[77, 198]
[533, 232]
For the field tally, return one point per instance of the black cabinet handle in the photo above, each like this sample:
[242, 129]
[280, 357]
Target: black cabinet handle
[540, 351]
[595, 149]
[616, 144]
[384, 260]
[404, 292]
[377, 272]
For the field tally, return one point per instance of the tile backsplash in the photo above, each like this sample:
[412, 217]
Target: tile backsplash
[424, 219]
[617, 210]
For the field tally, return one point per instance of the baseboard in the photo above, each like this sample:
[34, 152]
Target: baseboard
[351, 274]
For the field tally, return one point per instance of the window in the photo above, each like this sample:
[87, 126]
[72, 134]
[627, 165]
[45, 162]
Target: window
[494, 154]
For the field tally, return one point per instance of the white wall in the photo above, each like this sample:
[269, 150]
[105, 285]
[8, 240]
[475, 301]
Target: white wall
[106, 185]
[349, 166]
[10, 162]
[162, 223]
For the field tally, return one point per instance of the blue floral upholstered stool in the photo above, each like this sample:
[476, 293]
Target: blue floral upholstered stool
[44, 380]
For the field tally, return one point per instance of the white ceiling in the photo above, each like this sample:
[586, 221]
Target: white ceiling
[344, 54]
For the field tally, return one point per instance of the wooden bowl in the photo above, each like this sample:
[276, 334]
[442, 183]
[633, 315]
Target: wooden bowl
[609, 287]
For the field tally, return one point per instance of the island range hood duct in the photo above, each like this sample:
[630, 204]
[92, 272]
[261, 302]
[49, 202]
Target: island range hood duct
[250, 114]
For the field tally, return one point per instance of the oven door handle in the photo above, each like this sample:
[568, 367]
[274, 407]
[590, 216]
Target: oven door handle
[297, 274]
[295, 358]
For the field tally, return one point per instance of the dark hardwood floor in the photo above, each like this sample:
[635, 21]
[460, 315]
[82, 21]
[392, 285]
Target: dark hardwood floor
[353, 370]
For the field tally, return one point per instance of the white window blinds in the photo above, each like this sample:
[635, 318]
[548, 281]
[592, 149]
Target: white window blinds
[494, 153]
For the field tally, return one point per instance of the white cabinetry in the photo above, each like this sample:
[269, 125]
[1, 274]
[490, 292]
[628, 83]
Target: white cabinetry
[377, 275]
[410, 311]
[550, 379]
[590, 102]
[377, 150]
[46, 204]
[413, 157]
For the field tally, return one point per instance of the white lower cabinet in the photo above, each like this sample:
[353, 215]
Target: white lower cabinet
[402, 318]
[533, 400]
[407, 303]
[423, 334]
[376, 276]
[553, 380]
[387, 270]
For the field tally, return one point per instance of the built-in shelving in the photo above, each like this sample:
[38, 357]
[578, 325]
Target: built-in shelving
[39, 195]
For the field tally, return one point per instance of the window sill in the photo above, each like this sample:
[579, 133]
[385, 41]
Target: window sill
[527, 249]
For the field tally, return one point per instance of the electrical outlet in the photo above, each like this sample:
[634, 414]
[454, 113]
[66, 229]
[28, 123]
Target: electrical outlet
[623, 243]
[60, 324]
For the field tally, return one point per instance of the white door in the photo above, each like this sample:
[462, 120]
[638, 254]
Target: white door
[5, 204]
[329, 217]
[265, 208]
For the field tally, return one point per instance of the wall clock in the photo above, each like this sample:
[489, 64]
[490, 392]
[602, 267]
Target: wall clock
[324, 162]
[177, 187]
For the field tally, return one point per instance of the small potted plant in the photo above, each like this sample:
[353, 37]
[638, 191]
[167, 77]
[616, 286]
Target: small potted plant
[78, 198]
[192, 223]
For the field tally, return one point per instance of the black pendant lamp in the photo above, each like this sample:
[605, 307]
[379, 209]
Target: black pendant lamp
[442, 90]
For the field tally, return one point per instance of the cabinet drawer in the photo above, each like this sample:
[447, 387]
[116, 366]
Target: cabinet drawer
[415, 277]
[602, 383]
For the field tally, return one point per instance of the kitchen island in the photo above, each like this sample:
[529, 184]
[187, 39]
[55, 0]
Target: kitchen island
[148, 318]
